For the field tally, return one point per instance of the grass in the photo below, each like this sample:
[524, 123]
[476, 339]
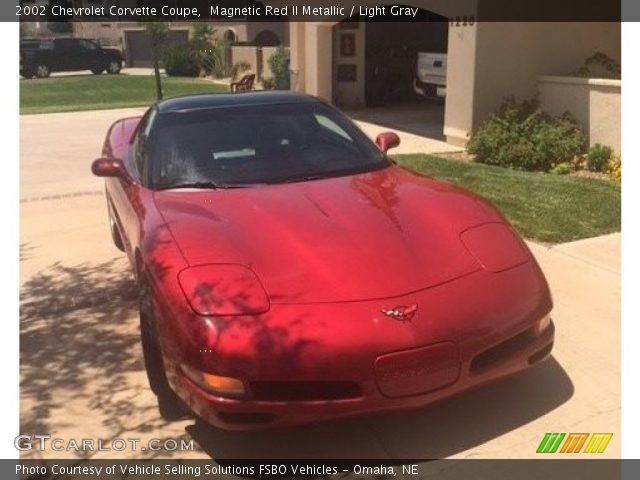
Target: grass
[544, 207]
[97, 92]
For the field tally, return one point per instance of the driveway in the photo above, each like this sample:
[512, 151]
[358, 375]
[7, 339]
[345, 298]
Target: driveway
[81, 368]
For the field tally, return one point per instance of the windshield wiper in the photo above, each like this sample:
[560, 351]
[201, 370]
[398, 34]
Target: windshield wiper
[200, 185]
[305, 178]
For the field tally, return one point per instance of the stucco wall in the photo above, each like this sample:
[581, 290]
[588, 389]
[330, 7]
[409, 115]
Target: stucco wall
[594, 103]
[349, 94]
[510, 56]
[245, 54]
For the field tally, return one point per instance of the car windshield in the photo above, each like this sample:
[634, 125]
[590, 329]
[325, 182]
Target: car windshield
[257, 144]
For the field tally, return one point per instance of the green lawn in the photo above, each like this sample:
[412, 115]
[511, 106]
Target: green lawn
[544, 207]
[96, 92]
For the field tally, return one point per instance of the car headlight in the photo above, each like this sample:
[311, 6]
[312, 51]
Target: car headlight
[495, 246]
[215, 384]
[223, 289]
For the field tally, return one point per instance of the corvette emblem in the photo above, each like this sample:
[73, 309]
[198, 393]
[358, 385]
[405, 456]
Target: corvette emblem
[402, 314]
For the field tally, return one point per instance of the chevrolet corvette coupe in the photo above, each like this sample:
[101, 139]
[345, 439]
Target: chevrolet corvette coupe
[289, 271]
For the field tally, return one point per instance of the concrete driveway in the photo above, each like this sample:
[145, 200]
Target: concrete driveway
[82, 374]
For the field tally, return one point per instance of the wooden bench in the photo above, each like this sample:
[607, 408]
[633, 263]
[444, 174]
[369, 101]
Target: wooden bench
[245, 84]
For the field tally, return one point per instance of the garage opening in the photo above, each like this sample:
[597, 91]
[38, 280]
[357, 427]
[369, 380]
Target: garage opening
[392, 52]
[395, 70]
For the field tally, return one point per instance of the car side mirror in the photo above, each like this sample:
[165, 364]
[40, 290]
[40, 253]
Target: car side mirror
[387, 140]
[109, 167]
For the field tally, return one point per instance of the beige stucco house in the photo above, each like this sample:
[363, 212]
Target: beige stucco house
[487, 61]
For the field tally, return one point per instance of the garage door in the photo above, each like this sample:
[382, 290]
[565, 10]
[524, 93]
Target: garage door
[138, 46]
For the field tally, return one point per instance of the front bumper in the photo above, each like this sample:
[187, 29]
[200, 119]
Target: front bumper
[307, 363]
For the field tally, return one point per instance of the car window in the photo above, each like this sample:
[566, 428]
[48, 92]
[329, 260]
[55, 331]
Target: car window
[65, 43]
[258, 144]
[141, 145]
[330, 125]
[87, 44]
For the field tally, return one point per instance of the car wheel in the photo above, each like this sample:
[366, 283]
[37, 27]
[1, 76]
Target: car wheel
[114, 67]
[115, 233]
[97, 70]
[27, 74]
[171, 407]
[42, 71]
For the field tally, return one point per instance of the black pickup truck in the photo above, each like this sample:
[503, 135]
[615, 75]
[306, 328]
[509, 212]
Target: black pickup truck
[38, 58]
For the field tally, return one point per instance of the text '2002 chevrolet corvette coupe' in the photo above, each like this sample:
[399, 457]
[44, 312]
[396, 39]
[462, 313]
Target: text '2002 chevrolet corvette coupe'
[290, 272]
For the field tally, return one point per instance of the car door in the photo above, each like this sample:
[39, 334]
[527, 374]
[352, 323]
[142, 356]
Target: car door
[126, 195]
[64, 56]
[88, 55]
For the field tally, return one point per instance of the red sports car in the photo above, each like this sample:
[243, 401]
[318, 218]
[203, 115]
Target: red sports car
[289, 271]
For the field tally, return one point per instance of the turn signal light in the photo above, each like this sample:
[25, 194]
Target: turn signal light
[215, 384]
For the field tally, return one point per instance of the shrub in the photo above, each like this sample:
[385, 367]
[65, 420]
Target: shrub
[598, 157]
[212, 56]
[279, 65]
[615, 168]
[523, 137]
[239, 69]
[182, 60]
[600, 65]
[267, 83]
[190, 59]
[563, 168]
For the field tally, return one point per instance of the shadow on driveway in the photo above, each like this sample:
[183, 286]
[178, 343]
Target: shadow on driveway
[79, 348]
[81, 368]
[438, 431]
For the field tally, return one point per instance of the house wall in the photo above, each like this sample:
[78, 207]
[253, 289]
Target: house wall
[510, 56]
[594, 103]
[349, 94]
[256, 57]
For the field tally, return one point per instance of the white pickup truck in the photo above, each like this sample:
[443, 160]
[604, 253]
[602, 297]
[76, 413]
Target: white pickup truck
[431, 74]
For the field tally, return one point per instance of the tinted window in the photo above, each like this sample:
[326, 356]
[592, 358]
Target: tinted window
[88, 45]
[66, 44]
[258, 144]
[141, 145]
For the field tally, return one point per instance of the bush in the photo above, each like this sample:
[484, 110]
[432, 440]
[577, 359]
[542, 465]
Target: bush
[267, 83]
[212, 56]
[615, 168]
[600, 65]
[279, 65]
[239, 69]
[190, 59]
[563, 168]
[523, 137]
[182, 60]
[598, 157]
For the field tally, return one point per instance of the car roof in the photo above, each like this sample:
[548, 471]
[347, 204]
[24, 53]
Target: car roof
[208, 101]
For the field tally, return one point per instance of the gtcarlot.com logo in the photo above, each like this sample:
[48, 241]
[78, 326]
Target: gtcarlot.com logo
[574, 442]
[26, 443]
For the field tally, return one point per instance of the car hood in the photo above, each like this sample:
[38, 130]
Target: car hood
[374, 235]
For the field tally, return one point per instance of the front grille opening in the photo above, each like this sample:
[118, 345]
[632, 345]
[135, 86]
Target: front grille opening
[540, 354]
[246, 418]
[304, 391]
[501, 351]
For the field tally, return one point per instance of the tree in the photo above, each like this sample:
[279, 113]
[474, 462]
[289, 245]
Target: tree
[202, 32]
[26, 30]
[159, 33]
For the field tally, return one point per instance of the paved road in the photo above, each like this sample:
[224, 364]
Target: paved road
[82, 373]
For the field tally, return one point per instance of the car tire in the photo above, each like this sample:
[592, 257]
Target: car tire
[28, 75]
[114, 67]
[42, 71]
[115, 233]
[170, 406]
[97, 70]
